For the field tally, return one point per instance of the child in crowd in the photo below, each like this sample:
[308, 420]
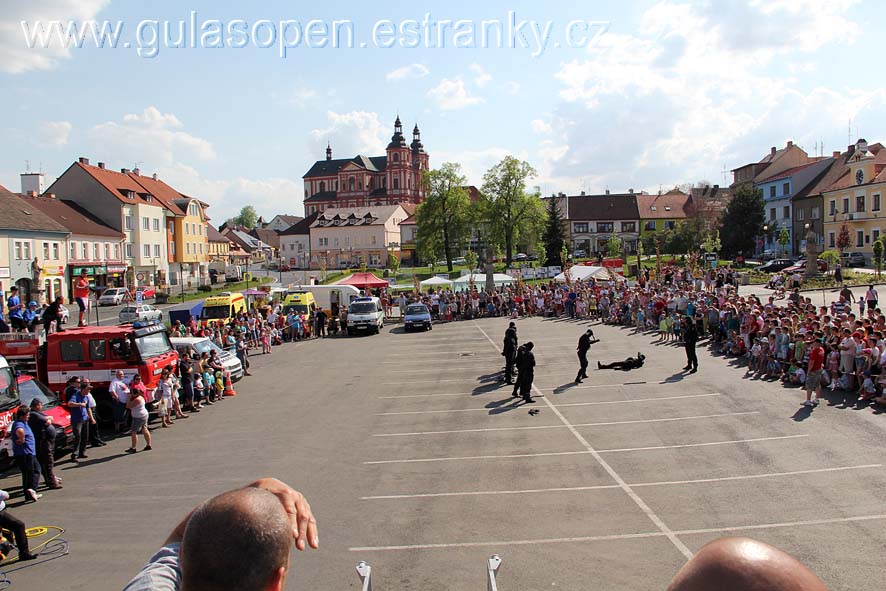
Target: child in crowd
[867, 390]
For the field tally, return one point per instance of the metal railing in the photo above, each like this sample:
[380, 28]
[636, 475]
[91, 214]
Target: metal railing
[493, 563]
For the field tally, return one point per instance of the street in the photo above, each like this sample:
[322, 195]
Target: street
[416, 460]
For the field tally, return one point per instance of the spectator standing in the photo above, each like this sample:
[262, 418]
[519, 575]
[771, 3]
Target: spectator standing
[119, 397]
[94, 438]
[44, 440]
[690, 338]
[24, 449]
[813, 373]
[243, 355]
[77, 405]
[871, 297]
[137, 406]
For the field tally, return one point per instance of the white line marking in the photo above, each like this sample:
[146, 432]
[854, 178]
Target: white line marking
[684, 532]
[662, 527]
[571, 453]
[755, 476]
[490, 409]
[582, 387]
[474, 380]
[570, 426]
[422, 395]
[490, 492]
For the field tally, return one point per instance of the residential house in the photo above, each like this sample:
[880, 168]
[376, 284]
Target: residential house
[219, 246]
[295, 243]
[856, 198]
[248, 248]
[776, 161]
[662, 212]
[593, 219]
[33, 256]
[269, 237]
[709, 203]
[91, 246]
[808, 205]
[280, 222]
[120, 202]
[777, 192]
[409, 241]
[342, 237]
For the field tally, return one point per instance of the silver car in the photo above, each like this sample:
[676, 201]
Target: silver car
[139, 313]
[113, 296]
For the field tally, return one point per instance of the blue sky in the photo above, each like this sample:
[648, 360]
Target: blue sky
[670, 92]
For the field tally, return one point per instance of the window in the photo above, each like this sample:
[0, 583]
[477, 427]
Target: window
[832, 208]
[127, 222]
[845, 204]
[335, 242]
[45, 250]
[71, 350]
[875, 235]
[373, 240]
[146, 223]
[107, 251]
[351, 184]
[322, 186]
[171, 229]
[832, 240]
[84, 251]
[396, 183]
[172, 248]
[18, 251]
[650, 225]
[772, 191]
[815, 213]
[859, 238]
[146, 250]
[27, 248]
[786, 189]
[129, 250]
[156, 224]
[156, 250]
[73, 254]
[580, 227]
[200, 247]
[396, 157]
[200, 229]
[859, 203]
[786, 212]
[116, 252]
[875, 202]
[187, 229]
[800, 214]
[771, 213]
[605, 227]
[55, 252]
[97, 351]
[670, 224]
[629, 226]
[97, 251]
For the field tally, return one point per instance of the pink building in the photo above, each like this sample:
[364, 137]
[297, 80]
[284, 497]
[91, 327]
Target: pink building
[364, 181]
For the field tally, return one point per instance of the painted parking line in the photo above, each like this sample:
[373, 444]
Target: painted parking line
[584, 386]
[485, 409]
[562, 426]
[629, 536]
[611, 486]
[573, 453]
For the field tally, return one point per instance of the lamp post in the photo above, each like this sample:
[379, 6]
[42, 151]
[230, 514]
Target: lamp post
[765, 236]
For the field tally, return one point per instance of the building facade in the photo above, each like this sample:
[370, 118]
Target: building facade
[662, 212]
[593, 219]
[373, 181]
[351, 237]
[295, 243]
[219, 246]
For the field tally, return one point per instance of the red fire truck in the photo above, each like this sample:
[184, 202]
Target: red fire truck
[93, 352]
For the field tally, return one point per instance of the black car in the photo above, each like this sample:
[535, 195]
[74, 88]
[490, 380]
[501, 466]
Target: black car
[775, 265]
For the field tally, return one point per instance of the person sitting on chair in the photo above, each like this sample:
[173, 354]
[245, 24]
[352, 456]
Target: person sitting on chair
[626, 365]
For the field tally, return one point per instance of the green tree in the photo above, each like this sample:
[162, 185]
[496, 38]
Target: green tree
[510, 211]
[712, 242]
[246, 218]
[394, 264]
[843, 239]
[442, 219]
[784, 238]
[832, 257]
[471, 259]
[613, 245]
[878, 255]
[554, 238]
[742, 222]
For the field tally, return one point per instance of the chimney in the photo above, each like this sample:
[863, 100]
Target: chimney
[790, 144]
[50, 195]
[83, 160]
[154, 176]
[772, 151]
[32, 193]
[851, 149]
[101, 165]
[136, 171]
[607, 192]
[836, 153]
[716, 187]
[124, 170]
[631, 191]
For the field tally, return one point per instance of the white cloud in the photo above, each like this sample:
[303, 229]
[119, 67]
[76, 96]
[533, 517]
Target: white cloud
[481, 76]
[475, 163]
[539, 126]
[15, 56]
[53, 133]
[451, 95]
[152, 137]
[410, 71]
[512, 87]
[355, 132]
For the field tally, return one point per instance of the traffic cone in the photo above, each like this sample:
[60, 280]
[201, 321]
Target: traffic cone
[229, 385]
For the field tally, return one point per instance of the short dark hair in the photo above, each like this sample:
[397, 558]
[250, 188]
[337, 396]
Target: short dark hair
[22, 412]
[236, 540]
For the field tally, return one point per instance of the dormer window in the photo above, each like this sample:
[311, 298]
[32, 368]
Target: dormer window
[654, 208]
[667, 208]
[130, 195]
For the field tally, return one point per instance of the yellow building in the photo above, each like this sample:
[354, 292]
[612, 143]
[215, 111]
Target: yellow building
[856, 199]
[219, 245]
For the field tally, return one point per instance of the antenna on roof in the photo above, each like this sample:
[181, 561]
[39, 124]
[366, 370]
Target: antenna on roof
[27, 166]
[725, 172]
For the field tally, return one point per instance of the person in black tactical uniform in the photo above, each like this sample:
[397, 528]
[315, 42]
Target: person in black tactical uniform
[690, 337]
[584, 345]
[527, 373]
[510, 352]
[518, 361]
[626, 365]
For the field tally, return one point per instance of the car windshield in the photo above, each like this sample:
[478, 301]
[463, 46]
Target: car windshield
[153, 344]
[297, 308]
[8, 396]
[362, 308]
[419, 309]
[215, 312]
[207, 346]
[112, 292]
[28, 390]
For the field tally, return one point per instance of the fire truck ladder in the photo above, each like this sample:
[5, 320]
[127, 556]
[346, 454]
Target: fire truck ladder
[364, 571]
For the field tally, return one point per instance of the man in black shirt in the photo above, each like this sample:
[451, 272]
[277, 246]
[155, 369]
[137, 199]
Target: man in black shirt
[44, 440]
[510, 352]
[690, 337]
[51, 314]
[526, 368]
[584, 345]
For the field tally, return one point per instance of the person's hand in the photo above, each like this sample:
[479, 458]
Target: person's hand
[304, 526]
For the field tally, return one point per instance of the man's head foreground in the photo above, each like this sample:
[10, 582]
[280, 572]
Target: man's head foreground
[237, 540]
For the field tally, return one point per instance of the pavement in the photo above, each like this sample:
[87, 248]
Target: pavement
[418, 461]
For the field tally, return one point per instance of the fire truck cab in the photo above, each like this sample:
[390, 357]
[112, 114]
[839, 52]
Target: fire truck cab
[96, 353]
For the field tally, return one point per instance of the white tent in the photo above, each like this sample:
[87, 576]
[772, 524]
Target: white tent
[435, 281]
[583, 272]
[480, 280]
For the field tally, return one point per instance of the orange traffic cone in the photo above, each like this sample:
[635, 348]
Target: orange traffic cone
[229, 385]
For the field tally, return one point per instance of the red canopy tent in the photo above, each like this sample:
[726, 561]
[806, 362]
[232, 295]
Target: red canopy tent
[364, 281]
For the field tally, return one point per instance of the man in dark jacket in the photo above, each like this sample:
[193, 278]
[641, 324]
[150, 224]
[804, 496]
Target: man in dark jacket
[510, 352]
[526, 367]
[690, 337]
[584, 345]
[44, 439]
[518, 361]
[51, 314]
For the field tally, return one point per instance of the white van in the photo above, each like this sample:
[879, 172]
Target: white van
[330, 298]
[365, 315]
[196, 346]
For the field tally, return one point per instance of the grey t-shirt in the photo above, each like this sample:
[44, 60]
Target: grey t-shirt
[161, 573]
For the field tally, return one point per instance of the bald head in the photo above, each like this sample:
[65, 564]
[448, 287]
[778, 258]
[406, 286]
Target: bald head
[237, 540]
[743, 564]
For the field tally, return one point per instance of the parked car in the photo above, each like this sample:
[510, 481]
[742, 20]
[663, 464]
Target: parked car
[140, 313]
[767, 255]
[459, 261]
[521, 256]
[775, 265]
[417, 317]
[147, 291]
[801, 266]
[113, 296]
[198, 345]
[580, 253]
[854, 259]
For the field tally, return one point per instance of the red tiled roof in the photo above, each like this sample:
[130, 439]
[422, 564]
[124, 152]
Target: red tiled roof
[162, 192]
[113, 181]
[791, 171]
[667, 206]
[73, 217]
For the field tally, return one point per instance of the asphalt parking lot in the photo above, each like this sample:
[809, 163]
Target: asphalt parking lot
[417, 461]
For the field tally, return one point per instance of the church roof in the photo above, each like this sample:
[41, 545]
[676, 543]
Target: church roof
[331, 167]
